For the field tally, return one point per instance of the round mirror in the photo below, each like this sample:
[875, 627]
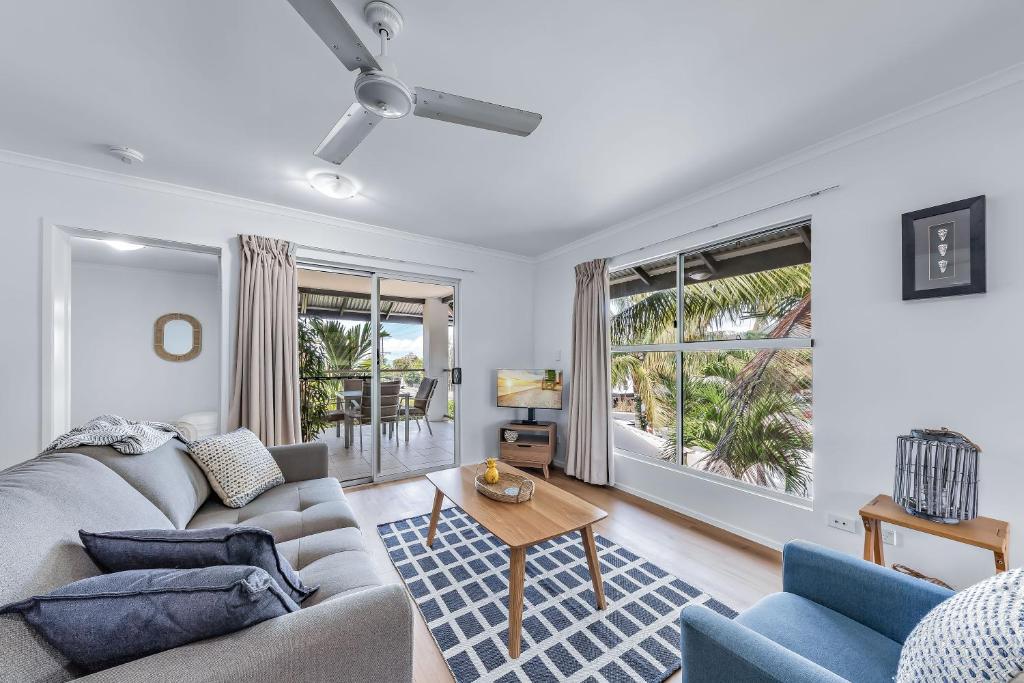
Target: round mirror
[177, 337]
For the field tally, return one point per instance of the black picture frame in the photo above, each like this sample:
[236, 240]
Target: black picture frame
[944, 219]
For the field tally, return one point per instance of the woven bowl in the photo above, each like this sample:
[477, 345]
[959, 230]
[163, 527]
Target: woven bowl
[511, 435]
[521, 488]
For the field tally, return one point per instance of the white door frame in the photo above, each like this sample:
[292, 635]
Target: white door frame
[56, 319]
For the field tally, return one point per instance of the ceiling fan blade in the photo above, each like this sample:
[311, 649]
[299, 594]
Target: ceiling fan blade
[326, 21]
[347, 133]
[434, 104]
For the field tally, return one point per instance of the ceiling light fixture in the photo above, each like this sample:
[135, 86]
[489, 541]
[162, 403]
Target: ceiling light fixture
[127, 154]
[121, 245]
[699, 274]
[332, 185]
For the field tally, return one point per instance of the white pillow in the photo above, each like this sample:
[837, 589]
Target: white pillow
[238, 466]
[975, 635]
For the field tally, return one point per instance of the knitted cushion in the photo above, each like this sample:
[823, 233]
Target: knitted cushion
[976, 635]
[238, 466]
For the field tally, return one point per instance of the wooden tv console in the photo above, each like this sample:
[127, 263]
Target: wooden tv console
[535, 446]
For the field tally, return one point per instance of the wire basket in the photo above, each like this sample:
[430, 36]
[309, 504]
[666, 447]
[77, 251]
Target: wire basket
[937, 475]
[511, 488]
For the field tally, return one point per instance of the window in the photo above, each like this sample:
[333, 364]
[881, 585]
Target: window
[725, 387]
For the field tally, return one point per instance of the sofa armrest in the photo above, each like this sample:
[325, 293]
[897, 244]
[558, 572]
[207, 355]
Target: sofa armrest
[301, 461]
[363, 636]
[719, 650]
[880, 598]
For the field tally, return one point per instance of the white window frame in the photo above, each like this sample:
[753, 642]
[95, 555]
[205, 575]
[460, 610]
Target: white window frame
[680, 347]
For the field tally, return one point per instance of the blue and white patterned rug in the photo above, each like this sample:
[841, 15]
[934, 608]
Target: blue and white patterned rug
[461, 588]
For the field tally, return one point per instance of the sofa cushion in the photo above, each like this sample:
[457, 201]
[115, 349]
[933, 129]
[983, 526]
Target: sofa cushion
[304, 551]
[118, 551]
[287, 511]
[162, 608]
[167, 476]
[339, 574]
[827, 638]
[238, 466]
[43, 504]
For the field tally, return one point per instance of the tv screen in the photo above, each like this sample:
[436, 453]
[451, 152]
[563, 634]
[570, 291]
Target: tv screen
[530, 389]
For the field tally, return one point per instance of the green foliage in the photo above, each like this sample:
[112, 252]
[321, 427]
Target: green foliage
[315, 395]
[764, 297]
[347, 347]
[410, 362]
[763, 439]
[747, 410]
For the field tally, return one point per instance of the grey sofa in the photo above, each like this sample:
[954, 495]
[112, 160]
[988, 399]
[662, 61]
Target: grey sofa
[353, 628]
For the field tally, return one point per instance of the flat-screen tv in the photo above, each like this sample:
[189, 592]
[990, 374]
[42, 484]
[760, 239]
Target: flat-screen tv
[530, 389]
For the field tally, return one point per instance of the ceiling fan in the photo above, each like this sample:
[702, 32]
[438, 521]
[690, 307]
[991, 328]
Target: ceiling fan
[381, 95]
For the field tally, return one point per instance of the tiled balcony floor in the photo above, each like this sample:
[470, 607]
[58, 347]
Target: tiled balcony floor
[397, 457]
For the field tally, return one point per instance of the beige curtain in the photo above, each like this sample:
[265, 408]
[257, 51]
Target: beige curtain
[589, 454]
[265, 398]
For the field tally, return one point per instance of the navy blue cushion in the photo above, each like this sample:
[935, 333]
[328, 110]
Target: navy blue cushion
[824, 636]
[111, 619]
[118, 551]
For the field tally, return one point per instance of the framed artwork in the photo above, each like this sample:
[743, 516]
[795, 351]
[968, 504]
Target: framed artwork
[944, 250]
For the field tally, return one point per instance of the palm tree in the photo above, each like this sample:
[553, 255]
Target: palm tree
[745, 408]
[346, 346]
[762, 439]
[763, 296]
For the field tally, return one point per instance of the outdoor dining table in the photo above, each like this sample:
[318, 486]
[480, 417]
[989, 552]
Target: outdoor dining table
[343, 396]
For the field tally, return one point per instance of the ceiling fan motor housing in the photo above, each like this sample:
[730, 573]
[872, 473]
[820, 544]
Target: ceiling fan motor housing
[384, 95]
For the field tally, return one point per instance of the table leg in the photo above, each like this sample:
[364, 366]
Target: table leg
[435, 514]
[516, 578]
[407, 420]
[869, 543]
[590, 548]
[876, 539]
[1000, 561]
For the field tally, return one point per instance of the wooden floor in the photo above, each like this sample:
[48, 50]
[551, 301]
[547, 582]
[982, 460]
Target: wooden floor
[732, 569]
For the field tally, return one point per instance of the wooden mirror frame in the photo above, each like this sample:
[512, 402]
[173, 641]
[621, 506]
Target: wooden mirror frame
[158, 337]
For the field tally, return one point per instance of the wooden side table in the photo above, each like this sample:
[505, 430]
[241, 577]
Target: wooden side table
[981, 532]
[534, 445]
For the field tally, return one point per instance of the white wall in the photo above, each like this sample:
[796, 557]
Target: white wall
[114, 368]
[495, 306]
[881, 365]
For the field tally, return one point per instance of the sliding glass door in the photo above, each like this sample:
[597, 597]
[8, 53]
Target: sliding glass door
[376, 352]
[416, 353]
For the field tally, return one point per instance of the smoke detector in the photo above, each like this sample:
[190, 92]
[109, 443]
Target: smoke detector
[127, 155]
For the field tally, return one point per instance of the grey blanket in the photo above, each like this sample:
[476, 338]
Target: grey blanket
[125, 436]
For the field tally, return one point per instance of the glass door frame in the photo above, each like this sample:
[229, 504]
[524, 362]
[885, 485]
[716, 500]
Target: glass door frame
[375, 275]
[454, 283]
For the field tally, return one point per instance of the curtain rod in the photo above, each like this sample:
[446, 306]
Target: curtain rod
[354, 254]
[776, 205]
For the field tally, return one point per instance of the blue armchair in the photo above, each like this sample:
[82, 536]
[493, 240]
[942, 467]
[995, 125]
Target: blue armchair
[838, 619]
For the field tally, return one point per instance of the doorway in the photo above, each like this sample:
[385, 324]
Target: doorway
[376, 353]
[104, 296]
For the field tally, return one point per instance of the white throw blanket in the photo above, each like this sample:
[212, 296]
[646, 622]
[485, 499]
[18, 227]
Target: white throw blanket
[125, 436]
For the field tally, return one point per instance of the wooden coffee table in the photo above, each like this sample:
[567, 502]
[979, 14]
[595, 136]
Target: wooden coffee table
[550, 513]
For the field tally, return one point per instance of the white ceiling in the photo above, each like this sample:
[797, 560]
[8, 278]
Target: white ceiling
[151, 258]
[643, 101]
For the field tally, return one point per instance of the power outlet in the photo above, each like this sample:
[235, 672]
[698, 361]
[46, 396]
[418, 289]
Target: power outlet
[890, 537]
[842, 523]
